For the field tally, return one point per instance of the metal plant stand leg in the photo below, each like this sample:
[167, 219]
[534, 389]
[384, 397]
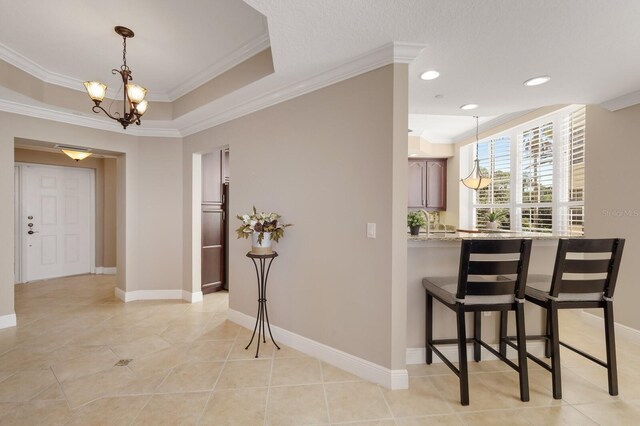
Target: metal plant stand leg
[262, 276]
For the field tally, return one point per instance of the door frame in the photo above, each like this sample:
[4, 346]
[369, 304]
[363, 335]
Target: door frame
[20, 224]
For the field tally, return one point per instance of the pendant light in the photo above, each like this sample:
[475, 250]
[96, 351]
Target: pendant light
[134, 104]
[476, 180]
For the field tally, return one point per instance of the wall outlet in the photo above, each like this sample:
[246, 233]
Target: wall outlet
[371, 230]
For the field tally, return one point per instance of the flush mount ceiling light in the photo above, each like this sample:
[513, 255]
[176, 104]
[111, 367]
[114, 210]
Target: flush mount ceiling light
[75, 152]
[467, 107]
[134, 105]
[536, 81]
[476, 180]
[430, 75]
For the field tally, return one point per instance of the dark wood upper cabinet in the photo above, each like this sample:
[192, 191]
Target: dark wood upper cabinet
[212, 178]
[428, 184]
[417, 184]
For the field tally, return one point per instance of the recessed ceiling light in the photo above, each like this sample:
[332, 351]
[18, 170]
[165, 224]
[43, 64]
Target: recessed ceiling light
[413, 155]
[467, 107]
[536, 81]
[430, 75]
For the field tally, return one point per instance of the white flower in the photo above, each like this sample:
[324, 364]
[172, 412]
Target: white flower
[253, 223]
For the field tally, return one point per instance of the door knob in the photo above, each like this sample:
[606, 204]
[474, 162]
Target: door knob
[30, 232]
[30, 225]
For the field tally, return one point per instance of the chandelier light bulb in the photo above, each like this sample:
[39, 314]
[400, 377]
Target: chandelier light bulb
[96, 90]
[136, 93]
[142, 107]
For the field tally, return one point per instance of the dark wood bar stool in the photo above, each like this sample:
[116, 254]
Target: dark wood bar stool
[584, 276]
[492, 277]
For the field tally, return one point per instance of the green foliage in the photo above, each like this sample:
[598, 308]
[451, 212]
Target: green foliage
[416, 218]
[495, 215]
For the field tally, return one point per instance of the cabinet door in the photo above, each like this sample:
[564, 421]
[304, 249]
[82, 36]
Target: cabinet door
[436, 183]
[417, 184]
[212, 178]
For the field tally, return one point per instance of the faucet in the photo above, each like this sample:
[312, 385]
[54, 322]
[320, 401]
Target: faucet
[428, 217]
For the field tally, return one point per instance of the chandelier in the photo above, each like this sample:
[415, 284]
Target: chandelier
[134, 104]
[476, 180]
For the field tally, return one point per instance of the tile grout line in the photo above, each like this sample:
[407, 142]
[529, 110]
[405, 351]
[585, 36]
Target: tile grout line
[386, 403]
[215, 384]
[324, 390]
[266, 404]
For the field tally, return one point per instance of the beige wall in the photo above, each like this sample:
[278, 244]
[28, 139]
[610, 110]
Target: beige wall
[304, 159]
[105, 205]
[149, 201]
[612, 207]
[110, 203]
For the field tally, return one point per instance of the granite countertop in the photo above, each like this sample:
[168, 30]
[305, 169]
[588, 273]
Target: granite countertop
[500, 235]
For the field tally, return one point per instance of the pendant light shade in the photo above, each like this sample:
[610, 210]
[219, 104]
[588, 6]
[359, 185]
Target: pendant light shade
[133, 94]
[476, 180]
[96, 90]
[76, 153]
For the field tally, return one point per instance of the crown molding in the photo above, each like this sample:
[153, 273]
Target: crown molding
[244, 52]
[376, 58]
[238, 56]
[488, 125]
[623, 101]
[79, 120]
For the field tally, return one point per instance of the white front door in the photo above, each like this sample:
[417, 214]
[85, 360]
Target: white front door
[56, 221]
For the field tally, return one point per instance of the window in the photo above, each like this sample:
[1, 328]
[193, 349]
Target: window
[495, 161]
[538, 175]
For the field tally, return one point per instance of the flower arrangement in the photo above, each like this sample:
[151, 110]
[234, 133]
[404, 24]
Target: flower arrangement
[261, 223]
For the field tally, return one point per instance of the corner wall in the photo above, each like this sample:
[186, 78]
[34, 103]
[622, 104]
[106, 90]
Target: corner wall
[330, 162]
[149, 202]
[612, 204]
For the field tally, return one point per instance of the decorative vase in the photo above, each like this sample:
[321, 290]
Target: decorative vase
[415, 230]
[492, 226]
[261, 248]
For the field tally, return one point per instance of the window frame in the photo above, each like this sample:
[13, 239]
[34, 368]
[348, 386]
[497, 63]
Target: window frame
[560, 223]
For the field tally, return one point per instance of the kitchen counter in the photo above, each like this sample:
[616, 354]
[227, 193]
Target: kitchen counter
[438, 255]
[497, 235]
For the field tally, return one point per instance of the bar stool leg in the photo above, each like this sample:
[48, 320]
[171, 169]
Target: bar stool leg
[610, 341]
[429, 329]
[504, 316]
[477, 335]
[555, 351]
[522, 352]
[547, 342]
[462, 357]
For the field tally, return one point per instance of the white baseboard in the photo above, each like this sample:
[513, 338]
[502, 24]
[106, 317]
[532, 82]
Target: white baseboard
[621, 330]
[192, 297]
[130, 296]
[106, 270]
[7, 321]
[418, 355]
[392, 379]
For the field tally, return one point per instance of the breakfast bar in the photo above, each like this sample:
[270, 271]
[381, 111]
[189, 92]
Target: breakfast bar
[437, 255]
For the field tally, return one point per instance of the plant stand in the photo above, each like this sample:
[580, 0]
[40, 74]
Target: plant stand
[262, 276]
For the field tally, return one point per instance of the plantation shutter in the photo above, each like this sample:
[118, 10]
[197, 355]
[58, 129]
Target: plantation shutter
[536, 177]
[571, 202]
[495, 161]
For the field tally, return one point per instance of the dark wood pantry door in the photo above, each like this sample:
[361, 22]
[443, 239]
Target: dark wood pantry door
[214, 222]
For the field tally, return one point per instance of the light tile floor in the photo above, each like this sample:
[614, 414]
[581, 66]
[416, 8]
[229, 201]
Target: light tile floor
[188, 366]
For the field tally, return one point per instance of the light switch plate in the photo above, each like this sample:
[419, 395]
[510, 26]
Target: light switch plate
[371, 230]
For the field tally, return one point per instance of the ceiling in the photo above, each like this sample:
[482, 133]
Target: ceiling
[483, 50]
